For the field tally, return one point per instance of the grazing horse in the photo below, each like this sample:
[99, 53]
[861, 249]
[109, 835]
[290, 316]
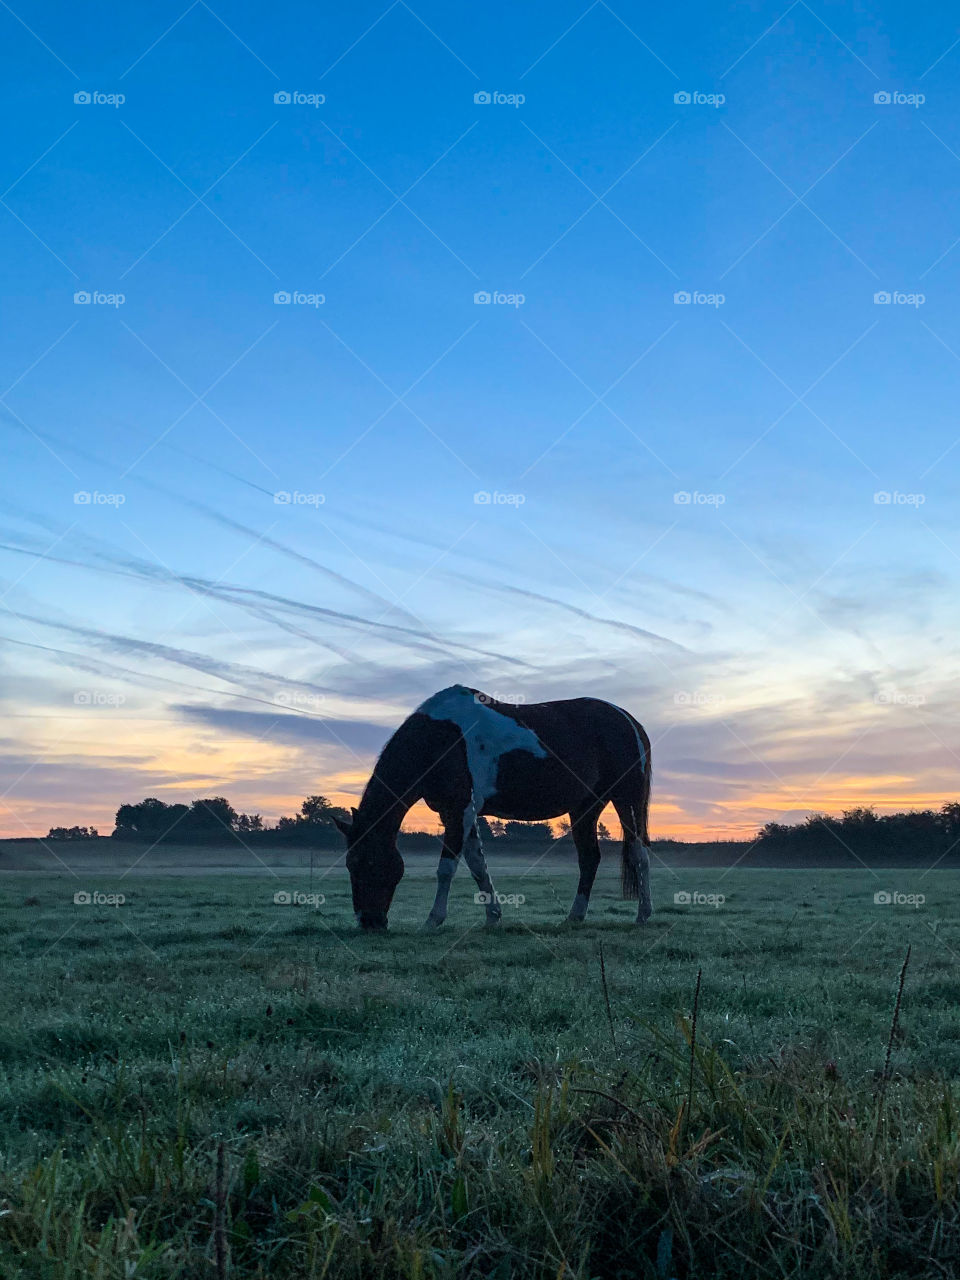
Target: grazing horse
[466, 754]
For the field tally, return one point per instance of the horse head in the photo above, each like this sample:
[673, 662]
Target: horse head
[375, 867]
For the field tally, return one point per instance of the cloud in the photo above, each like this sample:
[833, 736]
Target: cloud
[360, 736]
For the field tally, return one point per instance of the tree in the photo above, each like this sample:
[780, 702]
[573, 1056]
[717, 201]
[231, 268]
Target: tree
[319, 810]
[603, 832]
[247, 822]
[73, 833]
[209, 820]
[150, 820]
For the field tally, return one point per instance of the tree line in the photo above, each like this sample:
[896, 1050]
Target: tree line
[214, 820]
[864, 831]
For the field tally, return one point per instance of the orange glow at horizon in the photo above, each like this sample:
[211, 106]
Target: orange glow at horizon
[273, 778]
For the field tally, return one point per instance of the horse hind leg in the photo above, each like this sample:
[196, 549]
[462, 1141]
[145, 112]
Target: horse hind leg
[583, 828]
[636, 860]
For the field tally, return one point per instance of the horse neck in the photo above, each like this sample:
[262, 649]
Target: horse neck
[392, 789]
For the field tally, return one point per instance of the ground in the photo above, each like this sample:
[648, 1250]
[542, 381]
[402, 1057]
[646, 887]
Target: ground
[475, 1102]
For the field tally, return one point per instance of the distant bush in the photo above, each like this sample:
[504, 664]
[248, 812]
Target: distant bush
[73, 833]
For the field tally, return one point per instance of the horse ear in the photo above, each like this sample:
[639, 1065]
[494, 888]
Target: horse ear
[343, 827]
[355, 814]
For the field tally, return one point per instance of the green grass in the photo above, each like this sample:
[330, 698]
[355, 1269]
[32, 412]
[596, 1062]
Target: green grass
[458, 1104]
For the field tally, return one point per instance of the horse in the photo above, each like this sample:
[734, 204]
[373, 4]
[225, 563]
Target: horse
[468, 755]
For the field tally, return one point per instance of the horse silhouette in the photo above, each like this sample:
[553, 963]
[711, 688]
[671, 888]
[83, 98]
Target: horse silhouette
[466, 754]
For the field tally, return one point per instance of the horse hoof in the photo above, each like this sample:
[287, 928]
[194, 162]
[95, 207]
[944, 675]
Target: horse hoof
[430, 924]
[493, 922]
[575, 920]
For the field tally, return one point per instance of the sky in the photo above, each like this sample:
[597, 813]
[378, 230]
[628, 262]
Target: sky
[561, 349]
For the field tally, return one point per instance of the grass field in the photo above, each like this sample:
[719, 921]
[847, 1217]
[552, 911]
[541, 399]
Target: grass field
[201, 1082]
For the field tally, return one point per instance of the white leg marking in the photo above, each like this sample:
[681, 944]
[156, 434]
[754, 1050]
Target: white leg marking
[579, 909]
[473, 856]
[446, 870]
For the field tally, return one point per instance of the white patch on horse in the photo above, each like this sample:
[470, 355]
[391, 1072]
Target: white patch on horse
[487, 735]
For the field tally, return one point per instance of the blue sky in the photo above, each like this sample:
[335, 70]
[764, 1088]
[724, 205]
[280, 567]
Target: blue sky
[788, 640]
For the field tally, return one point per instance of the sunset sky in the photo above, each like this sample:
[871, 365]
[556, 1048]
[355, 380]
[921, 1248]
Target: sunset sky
[735, 515]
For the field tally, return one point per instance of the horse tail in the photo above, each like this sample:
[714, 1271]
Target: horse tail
[638, 827]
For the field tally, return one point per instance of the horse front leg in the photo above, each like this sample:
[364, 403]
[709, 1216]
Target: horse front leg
[446, 870]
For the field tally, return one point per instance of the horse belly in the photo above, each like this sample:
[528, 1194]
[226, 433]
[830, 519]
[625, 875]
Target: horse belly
[530, 789]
